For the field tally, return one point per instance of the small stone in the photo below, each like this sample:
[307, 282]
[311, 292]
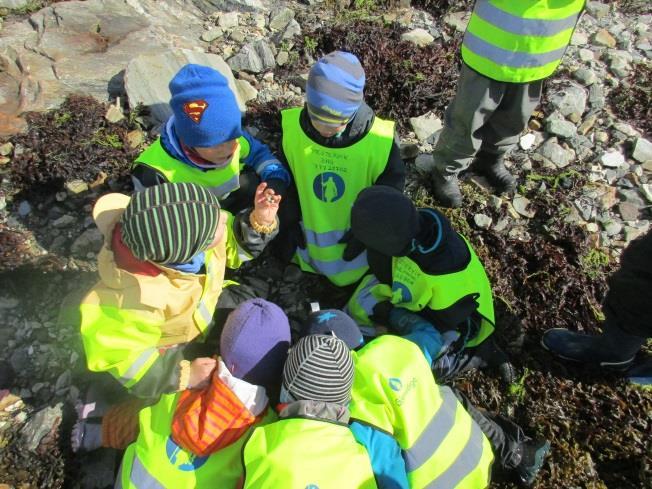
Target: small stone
[458, 20]
[642, 150]
[24, 209]
[612, 228]
[61, 196]
[527, 141]
[114, 114]
[534, 125]
[425, 126]
[293, 29]
[570, 99]
[6, 149]
[646, 190]
[592, 227]
[4, 160]
[90, 241]
[76, 186]
[603, 38]
[626, 129]
[608, 198]
[211, 35]
[64, 221]
[612, 159]
[246, 90]
[228, 20]
[43, 425]
[586, 55]
[628, 211]
[135, 138]
[420, 37]
[425, 163]
[597, 10]
[579, 39]
[238, 35]
[587, 124]
[585, 76]
[554, 153]
[482, 221]
[602, 137]
[520, 204]
[282, 58]
[279, 18]
[561, 128]
[409, 151]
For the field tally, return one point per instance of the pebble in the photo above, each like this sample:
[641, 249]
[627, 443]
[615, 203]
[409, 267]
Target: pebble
[228, 20]
[570, 99]
[114, 113]
[6, 149]
[585, 76]
[642, 150]
[419, 37]
[554, 153]
[603, 38]
[612, 228]
[425, 126]
[587, 124]
[64, 221]
[527, 141]
[520, 204]
[602, 136]
[561, 128]
[586, 55]
[24, 209]
[211, 35]
[628, 211]
[482, 221]
[592, 227]
[76, 186]
[646, 190]
[612, 159]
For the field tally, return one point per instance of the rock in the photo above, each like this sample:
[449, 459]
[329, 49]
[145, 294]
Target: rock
[254, 57]
[293, 29]
[585, 76]
[409, 151]
[458, 20]
[41, 427]
[527, 141]
[425, 126]
[561, 128]
[482, 221]
[597, 10]
[597, 96]
[592, 227]
[626, 129]
[607, 198]
[425, 163]
[569, 99]
[147, 78]
[211, 6]
[280, 17]
[520, 204]
[601, 137]
[14, 4]
[553, 152]
[631, 196]
[619, 63]
[114, 113]
[420, 37]
[76, 186]
[646, 189]
[612, 228]
[579, 38]
[282, 58]
[246, 90]
[628, 211]
[586, 55]
[24, 209]
[603, 38]
[238, 35]
[642, 150]
[612, 159]
[211, 35]
[64, 221]
[587, 124]
[631, 233]
[6, 149]
[228, 20]
[90, 241]
[135, 138]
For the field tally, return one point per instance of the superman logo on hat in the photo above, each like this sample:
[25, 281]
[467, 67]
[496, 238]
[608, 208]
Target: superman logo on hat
[195, 109]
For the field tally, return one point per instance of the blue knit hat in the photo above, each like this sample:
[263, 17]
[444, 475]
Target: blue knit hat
[335, 88]
[338, 323]
[206, 112]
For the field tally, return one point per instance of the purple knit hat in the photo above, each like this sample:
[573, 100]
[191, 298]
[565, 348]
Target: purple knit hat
[255, 341]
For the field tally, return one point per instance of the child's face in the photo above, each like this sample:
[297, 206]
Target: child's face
[218, 154]
[219, 232]
[325, 130]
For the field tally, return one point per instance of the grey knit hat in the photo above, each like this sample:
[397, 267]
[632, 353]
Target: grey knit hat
[319, 368]
[170, 223]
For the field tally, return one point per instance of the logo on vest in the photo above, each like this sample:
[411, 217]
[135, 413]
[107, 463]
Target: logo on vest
[328, 186]
[401, 293]
[182, 460]
[395, 384]
[312, 486]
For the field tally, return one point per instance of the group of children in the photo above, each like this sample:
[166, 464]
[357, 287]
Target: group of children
[233, 403]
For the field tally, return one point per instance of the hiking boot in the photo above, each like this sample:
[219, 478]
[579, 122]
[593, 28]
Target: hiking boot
[533, 454]
[492, 167]
[640, 374]
[613, 349]
[446, 190]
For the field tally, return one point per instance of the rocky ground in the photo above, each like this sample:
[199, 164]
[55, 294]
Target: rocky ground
[585, 191]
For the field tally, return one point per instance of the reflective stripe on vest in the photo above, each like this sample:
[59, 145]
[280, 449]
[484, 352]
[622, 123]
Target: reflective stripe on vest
[306, 453]
[393, 389]
[138, 364]
[328, 182]
[141, 478]
[519, 41]
[220, 182]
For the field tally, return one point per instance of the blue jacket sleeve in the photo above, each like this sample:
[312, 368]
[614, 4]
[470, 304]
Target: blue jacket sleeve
[261, 159]
[413, 327]
[385, 454]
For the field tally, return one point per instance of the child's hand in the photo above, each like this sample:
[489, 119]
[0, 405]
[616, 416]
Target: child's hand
[265, 205]
[200, 372]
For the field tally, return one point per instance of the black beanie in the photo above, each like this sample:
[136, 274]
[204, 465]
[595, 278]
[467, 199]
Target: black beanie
[385, 220]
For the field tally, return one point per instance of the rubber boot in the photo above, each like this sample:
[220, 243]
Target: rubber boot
[533, 454]
[492, 167]
[641, 373]
[614, 348]
[446, 190]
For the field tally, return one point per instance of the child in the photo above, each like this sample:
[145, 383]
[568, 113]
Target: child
[424, 266]
[335, 147]
[161, 275]
[203, 143]
[194, 438]
[446, 441]
[312, 444]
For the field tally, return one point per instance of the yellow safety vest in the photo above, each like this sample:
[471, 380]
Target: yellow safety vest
[155, 461]
[519, 41]
[298, 453]
[220, 182]
[393, 389]
[328, 181]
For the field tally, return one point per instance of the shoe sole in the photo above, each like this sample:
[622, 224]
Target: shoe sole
[620, 366]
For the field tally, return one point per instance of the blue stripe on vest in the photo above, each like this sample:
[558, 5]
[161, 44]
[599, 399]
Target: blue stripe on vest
[513, 59]
[330, 238]
[522, 26]
[330, 268]
[141, 478]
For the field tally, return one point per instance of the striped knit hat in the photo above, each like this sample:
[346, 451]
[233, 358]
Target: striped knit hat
[319, 368]
[335, 88]
[170, 223]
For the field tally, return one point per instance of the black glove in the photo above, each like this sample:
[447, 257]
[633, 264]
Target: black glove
[353, 246]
